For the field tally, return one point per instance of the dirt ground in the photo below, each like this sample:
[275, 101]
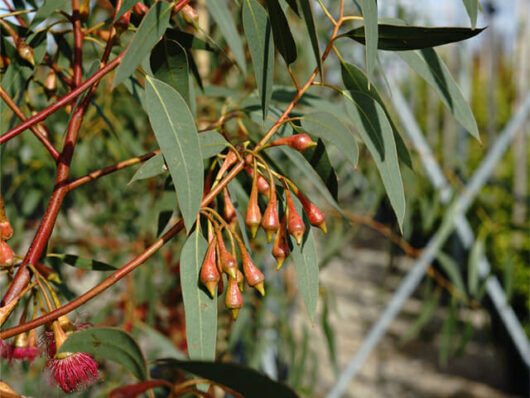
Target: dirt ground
[410, 370]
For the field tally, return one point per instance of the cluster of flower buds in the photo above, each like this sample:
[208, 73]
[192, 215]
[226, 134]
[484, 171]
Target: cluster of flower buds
[7, 256]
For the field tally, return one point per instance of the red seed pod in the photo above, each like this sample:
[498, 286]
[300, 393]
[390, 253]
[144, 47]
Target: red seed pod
[209, 276]
[253, 275]
[315, 216]
[229, 209]
[227, 261]
[295, 224]
[253, 217]
[300, 142]
[233, 298]
[6, 230]
[270, 221]
[140, 9]
[280, 247]
[7, 256]
[263, 185]
[122, 24]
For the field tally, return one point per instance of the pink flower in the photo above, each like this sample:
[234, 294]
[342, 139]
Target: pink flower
[73, 371]
[47, 339]
[25, 353]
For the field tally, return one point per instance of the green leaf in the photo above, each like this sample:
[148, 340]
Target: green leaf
[452, 271]
[211, 143]
[125, 6]
[370, 119]
[258, 33]
[48, 8]
[330, 128]
[472, 11]
[175, 131]
[306, 264]
[283, 38]
[109, 343]
[246, 381]
[318, 158]
[355, 79]
[169, 63]
[369, 11]
[477, 251]
[432, 69]
[188, 41]
[81, 262]
[219, 12]
[151, 168]
[406, 37]
[151, 29]
[309, 19]
[200, 309]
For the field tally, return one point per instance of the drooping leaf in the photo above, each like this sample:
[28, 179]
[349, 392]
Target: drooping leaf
[370, 120]
[219, 12]
[329, 128]
[177, 136]
[246, 381]
[355, 79]
[125, 6]
[47, 8]
[433, 70]
[309, 19]
[406, 37]
[283, 38]
[151, 29]
[200, 309]
[472, 11]
[109, 343]
[306, 264]
[169, 63]
[369, 11]
[211, 143]
[477, 251]
[258, 33]
[319, 160]
[82, 262]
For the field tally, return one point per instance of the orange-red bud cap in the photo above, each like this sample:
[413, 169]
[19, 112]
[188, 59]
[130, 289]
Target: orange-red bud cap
[233, 298]
[229, 209]
[7, 256]
[280, 247]
[270, 221]
[140, 9]
[300, 142]
[228, 262]
[253, 216]
[122, 24]
[6, 230]
[314, 215]
[263, 185]
[253, 275]
[295, 224]
[209, 276]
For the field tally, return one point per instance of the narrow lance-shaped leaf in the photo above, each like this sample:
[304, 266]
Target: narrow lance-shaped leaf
[433, 70]
[406, 37]
[328, 127]
[309, 19]
[219, 12]
[370, 119]
[369, 11]
[283, 38]
[306, 264]
[109, 343]
[258, 34]
[47, 8]
[356, 80]
[472, 11]
[177, 136]
[81, 262]
[318, 158]
[169, 63]
[200, 309]
[149, 32]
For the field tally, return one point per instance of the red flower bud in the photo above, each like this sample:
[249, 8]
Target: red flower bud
[253, 217]
[315, 216]
[140, 9]
[6, 230]
[280, 247]
[122, 24]
[229, 209]
[300, 142]
[253, 275]
[295, 224]
[233, 298]
[7, 256]
[263, 185]
[209, 276]
[228, 262]
[270, 221]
